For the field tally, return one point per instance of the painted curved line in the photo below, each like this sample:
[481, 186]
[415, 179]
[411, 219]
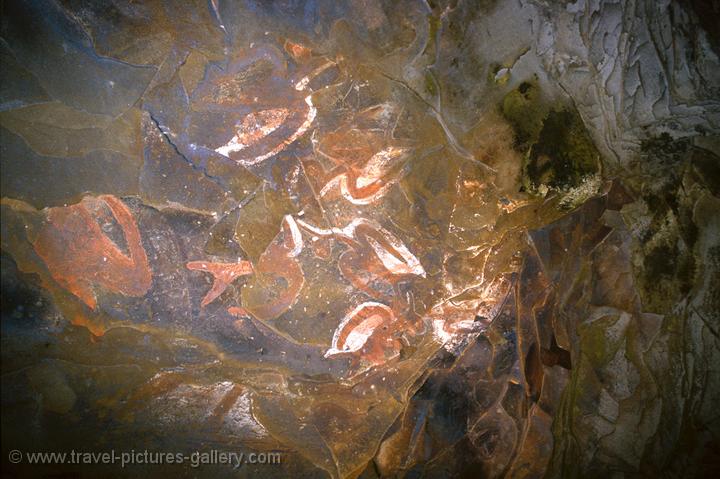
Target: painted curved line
[354, 194]
[223, 275]
[409, 264]
[265, 122]
[305, 81]
[278, 260]
[79, 255]
[350, 193]
[295, 236]
[336, 347]
[235, 144]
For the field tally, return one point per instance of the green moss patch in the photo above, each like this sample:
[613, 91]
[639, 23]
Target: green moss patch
[525, 112]
[564, 153]
[559, 151]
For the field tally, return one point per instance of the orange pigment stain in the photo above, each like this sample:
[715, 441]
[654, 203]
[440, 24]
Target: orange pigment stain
[97, 330]
[264, 133]
[279, 277]
[364, 157]
[223, 273]
[238, 311]
[374, 264]
[258, 129]
[371, 332]
[299, 52]
[80, 257]
[254, 128]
